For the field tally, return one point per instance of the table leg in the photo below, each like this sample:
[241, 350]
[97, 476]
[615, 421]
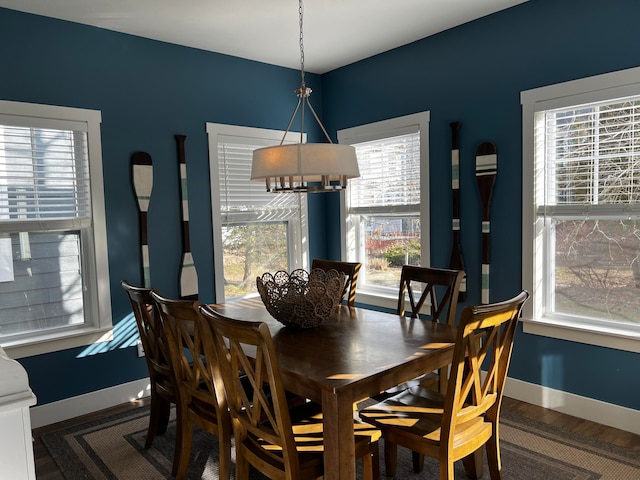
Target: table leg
[339, 445]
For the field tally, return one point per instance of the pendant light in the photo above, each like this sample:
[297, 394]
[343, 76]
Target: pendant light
[304, 167]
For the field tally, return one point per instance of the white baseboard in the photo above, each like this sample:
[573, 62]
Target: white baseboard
[605, 413]
[609, 414]
[88, 403]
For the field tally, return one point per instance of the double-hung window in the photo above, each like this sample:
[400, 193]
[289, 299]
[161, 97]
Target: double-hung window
[386, 209]
[581, 210]
[54, 276]
[254, 231]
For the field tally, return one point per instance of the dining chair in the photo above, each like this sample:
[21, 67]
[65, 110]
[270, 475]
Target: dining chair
[440, 286]
[430, 283]
[156, 353]
[198, 401]
[453, 426]
[350, 270]
[281, 442]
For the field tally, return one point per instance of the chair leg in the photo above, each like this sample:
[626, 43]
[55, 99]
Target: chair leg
[371, 463]
[390, 458]
[242, 466]
[375, 458]
[163, 420]
[473, 465]
[367, 467]
[224, 453]
[418, 461]
[158, 418]
[446, 469]
[184, 437]
[493, 458]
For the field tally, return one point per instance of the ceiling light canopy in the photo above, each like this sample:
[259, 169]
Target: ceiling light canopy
[304, 167]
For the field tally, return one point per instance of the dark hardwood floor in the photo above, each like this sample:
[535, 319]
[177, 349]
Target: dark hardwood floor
[46, 469]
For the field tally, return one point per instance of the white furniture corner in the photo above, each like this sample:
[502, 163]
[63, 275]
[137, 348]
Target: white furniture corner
[16, 442]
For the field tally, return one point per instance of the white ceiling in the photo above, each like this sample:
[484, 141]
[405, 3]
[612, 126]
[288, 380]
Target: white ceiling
[336, 32]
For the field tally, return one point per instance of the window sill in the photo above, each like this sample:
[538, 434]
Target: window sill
[377, 300]
[54, 342]
[600, 335]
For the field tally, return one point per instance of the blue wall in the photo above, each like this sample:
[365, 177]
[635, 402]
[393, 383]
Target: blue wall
[148, 91]
[474, 74]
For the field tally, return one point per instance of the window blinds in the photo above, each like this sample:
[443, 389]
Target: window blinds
[592, 154]
[242, 199]
[44, 174]
[389, 175]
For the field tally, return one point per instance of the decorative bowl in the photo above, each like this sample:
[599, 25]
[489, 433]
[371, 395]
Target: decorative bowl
[301, 299]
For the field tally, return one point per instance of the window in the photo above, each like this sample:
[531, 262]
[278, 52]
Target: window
[54, 280]
[581, 210]
[386, 216]
[254, 231]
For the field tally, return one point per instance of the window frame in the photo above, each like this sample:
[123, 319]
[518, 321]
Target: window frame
[372, 295]
[297, 234]
[98, 324]
[535, 319]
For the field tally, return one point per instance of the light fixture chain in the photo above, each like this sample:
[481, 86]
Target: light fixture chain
[288, 169]
[301, 15]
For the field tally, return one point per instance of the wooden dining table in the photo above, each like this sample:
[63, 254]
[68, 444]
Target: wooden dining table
[355, 354]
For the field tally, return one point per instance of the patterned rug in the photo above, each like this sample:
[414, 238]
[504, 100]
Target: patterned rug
[113, 448]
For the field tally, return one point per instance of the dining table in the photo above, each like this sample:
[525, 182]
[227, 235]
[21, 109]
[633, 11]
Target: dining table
[353, 355]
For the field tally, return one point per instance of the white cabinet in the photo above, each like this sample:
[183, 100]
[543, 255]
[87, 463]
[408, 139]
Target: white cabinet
[16, 444]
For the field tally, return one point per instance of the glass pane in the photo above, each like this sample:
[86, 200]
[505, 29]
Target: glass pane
[389, 172]
[597, 269]
[42, 289]
[44, 173]
[249, 251]
[593, 155]
[389, 243]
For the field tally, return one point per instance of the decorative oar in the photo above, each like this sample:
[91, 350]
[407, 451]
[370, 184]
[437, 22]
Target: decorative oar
[486, 169]
[188, 274]
[142, 168]
[456, 262]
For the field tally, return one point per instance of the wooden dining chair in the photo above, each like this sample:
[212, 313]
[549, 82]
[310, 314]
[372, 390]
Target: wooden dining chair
[454, 426]
[440, 287]
[281, 442]
[156, 353]
[198, 402]
[350, 270]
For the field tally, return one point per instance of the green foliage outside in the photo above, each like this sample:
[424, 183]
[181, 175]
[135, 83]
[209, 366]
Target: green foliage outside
[403, 253]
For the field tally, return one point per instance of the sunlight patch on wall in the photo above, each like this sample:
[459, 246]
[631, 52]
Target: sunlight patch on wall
[125, 335]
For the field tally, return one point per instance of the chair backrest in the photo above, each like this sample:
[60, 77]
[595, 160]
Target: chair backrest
[262, 414]
[156, 350]
[432, 283]
[484, 341]
[192, 354]
[350, 270]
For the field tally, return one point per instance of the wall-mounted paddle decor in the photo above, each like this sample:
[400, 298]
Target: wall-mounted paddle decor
[456, 262]
[486, 169]
[188, 274]
[142, 172]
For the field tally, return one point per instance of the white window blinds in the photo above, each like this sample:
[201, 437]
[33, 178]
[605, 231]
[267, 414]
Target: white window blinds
[389, 175]
[44, 172]
[242, 199]
[592, 154]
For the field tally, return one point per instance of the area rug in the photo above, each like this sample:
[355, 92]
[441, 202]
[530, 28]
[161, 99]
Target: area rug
[112, 448]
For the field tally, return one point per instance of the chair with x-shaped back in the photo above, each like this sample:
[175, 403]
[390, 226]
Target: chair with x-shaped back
[454, 425]
[350, 270]
[281, 442]
[156, 353]
[198, 402]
